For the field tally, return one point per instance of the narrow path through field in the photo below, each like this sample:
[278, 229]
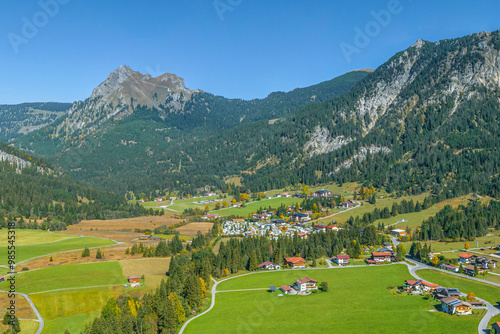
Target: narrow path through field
[491, 309]
[240, 290]
[38, 315]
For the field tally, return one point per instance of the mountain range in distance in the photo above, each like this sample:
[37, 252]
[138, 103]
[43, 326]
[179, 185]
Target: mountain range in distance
[407, 126]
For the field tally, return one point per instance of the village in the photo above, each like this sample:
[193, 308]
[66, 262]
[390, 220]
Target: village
[267, 223]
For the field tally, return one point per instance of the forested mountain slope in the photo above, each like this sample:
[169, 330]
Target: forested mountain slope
[123, 138]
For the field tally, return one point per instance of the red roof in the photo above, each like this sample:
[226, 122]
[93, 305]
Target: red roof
[285, 288]
[381, 254]
[345, 257]
[294, 259]
[306, 280]
[264, 264]
[466, 255]
[134, 277]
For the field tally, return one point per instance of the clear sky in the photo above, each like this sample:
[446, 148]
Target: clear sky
[233, 48]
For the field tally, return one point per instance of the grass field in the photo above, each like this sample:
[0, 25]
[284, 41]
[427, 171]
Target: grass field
[170, 236]
[358, 301]
[484, 291]
[153, 270]
[415, 219]
[438, 246]
[72, 309]
[23, 308]
[30, 251]
[68, 276]
[30, 237]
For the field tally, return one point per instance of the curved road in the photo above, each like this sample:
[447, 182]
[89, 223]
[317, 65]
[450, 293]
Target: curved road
[38, 315]
[491, 309]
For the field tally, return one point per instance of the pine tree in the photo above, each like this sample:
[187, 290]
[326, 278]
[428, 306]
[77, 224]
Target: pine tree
[98, 254]
[252, 265]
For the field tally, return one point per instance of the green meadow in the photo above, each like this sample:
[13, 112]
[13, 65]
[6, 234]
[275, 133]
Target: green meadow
[358, 301]
[30, 237]
[25, 252]
[68, 276]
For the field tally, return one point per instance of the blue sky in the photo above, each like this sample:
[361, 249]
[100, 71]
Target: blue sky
[234, 48]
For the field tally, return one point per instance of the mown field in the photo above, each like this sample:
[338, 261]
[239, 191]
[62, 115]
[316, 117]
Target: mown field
[358, 301]
[484, 291]
[26, 252]
[68, 276]
[30, 237]
[72, 309]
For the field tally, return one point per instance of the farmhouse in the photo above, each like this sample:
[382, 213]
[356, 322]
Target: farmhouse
[268, 265]
[210, 216]
[455, 306]
[465, 258]
[486, 262]
[419, 286]
[348, 204]
[447, 266]
[341, 259]
[381, 257]
[322, 193]
[158, 199]
[305, 284]
[144, 237]
[295, 262]
[134, 279]
[469, 270]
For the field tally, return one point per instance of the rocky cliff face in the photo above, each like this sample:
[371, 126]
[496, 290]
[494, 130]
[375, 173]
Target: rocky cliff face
[122, 92]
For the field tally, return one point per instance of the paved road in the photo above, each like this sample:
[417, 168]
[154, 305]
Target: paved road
[329, 263]
[491, 309]
[38, 315]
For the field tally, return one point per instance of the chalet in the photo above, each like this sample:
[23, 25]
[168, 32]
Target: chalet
[465, 258]
[305, 284]
[141, 201]
[453, 305]
[268, 265]
[341, 259]
[295, 262]
[469, 270]
[144, 237]
[287, 195]
[300, 217]
[288, 290]
[441, 293]
[155, 238]
[447, 266]
[134, 279]
[158, 199]
[322, 193]
[262, 216]
[419, 286]
[381, 257]
[333, 228]
[398, 233]
[321, 228]
[348, 204]
[303, 235]
[277, 195]
[486, 262]
[387, 245]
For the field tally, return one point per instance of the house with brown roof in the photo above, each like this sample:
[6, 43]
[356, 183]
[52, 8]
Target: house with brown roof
[305, 284]
[447, 266]
[295, 262]
[419, 286]
[469, 270]
[381, 257]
